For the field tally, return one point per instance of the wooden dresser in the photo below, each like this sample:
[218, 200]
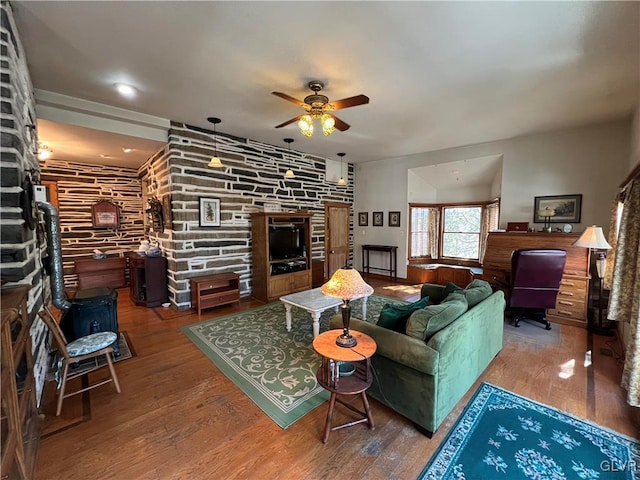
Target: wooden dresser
[571, 305]
[105, 272]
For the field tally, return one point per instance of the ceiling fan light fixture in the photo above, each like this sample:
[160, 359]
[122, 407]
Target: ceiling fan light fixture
[328, 124]
[305, 124]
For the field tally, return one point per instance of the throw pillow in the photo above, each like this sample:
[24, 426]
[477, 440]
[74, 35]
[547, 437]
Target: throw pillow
[426, 322]
[477, 291]
[394, 317]
[450, 287]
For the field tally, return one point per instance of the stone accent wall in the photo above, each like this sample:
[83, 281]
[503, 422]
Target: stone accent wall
[79, 187]
[253, 175]
[20, 246]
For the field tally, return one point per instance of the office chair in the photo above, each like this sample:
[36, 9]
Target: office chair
[535, 282]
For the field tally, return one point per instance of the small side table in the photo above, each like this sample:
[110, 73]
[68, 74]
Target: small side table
[357, 383]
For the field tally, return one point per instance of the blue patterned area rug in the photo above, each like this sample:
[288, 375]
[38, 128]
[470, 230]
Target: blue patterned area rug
[501, 435]
[275, 368]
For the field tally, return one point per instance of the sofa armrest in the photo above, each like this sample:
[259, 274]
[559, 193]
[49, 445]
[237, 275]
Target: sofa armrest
[400, 348]
[433, 291]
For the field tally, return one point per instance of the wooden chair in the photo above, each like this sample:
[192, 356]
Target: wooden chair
[90, 346]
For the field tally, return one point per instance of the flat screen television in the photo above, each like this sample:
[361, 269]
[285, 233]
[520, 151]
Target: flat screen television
[286, 242]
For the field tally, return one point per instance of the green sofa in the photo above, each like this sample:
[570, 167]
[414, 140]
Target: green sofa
[424, 379]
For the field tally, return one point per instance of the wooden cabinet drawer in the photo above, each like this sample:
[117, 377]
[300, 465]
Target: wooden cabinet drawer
[221, 298]
[573, 295]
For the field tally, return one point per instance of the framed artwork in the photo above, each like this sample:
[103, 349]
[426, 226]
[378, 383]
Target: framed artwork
[394, 219]
[209, 212]
[167, 215]
[566, 208]
[104, 214]
[363, 219]
[378, 219]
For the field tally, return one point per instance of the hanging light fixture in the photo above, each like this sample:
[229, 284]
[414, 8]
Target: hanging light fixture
[342, 182]
[215, 162]
[289, 173]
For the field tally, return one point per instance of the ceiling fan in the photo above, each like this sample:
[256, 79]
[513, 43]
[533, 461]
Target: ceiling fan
[319, 106]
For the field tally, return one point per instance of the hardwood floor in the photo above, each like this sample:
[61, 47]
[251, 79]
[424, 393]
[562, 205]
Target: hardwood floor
[179, 417]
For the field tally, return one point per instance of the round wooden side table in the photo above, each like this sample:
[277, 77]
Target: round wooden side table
[356, 383]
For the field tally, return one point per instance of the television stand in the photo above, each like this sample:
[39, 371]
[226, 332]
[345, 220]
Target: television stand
[273, 278]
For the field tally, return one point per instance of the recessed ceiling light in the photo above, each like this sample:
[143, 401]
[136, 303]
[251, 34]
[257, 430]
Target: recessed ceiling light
[125, 90]
[127, 150]
[105, 156]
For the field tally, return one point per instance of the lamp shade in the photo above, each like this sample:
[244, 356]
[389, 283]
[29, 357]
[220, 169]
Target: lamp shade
[592, 237]
[215, 163]
[546, 212]
[346, 283]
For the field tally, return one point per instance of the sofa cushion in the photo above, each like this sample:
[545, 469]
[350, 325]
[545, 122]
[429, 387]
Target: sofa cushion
[477, 291]
[426, 322]
[394, 317]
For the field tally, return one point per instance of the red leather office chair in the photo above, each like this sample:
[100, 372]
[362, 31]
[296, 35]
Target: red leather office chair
[535, 282]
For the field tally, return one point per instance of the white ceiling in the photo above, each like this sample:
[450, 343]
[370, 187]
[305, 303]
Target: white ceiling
[480, 171]
[439, 74]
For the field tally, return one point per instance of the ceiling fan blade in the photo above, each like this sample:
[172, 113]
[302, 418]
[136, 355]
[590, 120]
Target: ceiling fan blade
[340, 125]
[294, 119]
[349, 102]
[291, 99]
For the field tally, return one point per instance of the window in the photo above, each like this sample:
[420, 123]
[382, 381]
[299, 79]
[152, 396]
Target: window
[457, 232]
[419, 232]
[461, 232]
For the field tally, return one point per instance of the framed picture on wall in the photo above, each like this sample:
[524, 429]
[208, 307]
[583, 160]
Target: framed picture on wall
[566, 208]
[363, 219]
[378, 219]
[104, 214]
[209, 212]
[394, 219]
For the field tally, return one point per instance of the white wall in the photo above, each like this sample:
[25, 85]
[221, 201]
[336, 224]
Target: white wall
[475, 193]
[589, 160]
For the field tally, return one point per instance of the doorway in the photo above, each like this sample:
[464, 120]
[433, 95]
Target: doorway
[336, 236]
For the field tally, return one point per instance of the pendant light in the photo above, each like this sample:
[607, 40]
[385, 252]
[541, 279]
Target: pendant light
[342, 182]
[289, 173]
[215, 161]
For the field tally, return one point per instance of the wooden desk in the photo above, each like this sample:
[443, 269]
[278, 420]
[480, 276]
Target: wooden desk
[357, 383]
[571, 304]
[392, 250]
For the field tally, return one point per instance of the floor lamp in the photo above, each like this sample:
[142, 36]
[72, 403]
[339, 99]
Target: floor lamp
[593, 239]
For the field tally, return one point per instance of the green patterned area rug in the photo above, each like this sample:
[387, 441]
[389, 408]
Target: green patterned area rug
[273, 367]
[501, 435]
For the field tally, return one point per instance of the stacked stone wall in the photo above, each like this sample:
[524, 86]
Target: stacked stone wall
[79, 187]
[253, 175]
[21, 247]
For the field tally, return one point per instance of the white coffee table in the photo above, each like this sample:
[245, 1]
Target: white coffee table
[314, 302]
